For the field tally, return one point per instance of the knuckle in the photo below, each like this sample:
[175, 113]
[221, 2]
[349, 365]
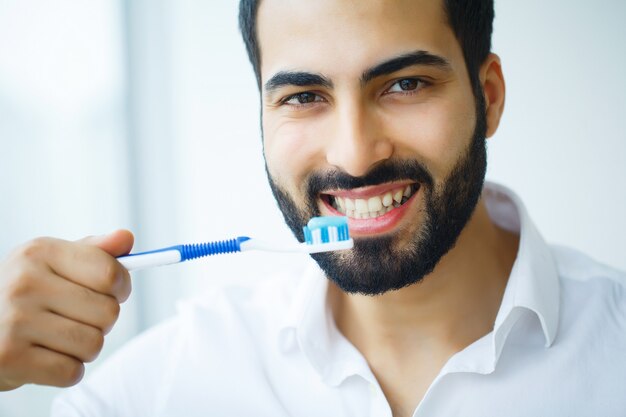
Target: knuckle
[12, 348]
[96, 342]
[68, 372]
[110, 277]
[6, 356]
[13, 326]
[112, 310]
[88, 341]
[126, 287]
[110, 315]
[35, 248]
[8, 353]
[21, 286]
[18, 320]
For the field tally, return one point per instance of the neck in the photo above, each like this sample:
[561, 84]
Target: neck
[449, 309]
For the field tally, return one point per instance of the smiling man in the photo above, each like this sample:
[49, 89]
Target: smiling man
[450, 302]
[394, 138]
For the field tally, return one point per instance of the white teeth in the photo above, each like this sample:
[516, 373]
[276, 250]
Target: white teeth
[387, 199]
[361, 206]
[397, 196]
[372, 207]
[374, 204]
[340, 204]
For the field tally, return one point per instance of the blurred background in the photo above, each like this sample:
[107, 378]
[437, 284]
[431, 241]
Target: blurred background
[144, 115]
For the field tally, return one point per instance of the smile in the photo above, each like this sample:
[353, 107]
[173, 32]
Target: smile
[370, 203]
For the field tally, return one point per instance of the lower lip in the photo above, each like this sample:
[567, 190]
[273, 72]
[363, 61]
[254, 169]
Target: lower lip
[378, 225]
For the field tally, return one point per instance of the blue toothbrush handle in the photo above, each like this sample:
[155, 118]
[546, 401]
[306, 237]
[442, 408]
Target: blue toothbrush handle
[322, 234]
[180, 253]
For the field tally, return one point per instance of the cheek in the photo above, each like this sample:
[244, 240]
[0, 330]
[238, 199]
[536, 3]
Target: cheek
[439, 133]
[292, 150]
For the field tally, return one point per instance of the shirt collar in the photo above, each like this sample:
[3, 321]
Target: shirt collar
[533, 286]
[534, 282]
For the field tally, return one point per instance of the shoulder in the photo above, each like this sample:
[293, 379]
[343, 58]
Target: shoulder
[593, 296]
[579, 271]
[577, 266]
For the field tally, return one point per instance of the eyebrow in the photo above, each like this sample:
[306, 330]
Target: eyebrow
[297, 78]
[307, 79]
[403, 61]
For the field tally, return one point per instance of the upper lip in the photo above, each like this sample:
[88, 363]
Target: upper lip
[369, 191]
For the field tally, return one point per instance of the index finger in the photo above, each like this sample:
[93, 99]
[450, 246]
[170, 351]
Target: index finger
[88, 266]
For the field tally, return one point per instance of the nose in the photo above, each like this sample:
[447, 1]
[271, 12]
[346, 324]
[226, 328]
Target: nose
[358, 142]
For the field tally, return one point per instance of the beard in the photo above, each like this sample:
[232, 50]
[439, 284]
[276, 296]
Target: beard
[379, 264]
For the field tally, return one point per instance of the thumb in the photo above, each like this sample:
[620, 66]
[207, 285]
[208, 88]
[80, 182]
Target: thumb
[117, 243]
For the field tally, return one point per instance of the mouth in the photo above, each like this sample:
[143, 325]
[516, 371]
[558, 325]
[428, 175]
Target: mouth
[374, 209]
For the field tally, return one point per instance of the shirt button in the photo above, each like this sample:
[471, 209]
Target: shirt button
[373, 390]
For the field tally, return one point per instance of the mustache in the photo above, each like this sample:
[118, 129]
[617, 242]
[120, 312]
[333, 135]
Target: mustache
[386, 171]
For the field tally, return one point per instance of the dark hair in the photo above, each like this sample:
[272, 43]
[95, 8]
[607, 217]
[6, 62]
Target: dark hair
[470, 20]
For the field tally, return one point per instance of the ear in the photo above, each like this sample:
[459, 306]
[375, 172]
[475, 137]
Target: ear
[494, 90]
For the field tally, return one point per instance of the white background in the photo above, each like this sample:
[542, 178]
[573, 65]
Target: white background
[144, 115]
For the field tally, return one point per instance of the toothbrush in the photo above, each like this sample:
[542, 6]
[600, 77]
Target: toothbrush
[321, 234]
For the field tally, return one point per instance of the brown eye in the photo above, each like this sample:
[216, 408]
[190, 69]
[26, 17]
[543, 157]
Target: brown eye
[306, 98]
[303, 98]
[408, 84]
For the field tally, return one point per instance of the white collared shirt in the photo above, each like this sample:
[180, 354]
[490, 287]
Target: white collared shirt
[558, 348]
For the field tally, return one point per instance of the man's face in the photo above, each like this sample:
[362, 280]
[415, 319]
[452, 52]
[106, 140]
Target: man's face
[368, 112]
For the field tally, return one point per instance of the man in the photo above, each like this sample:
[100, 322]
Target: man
[450, 302]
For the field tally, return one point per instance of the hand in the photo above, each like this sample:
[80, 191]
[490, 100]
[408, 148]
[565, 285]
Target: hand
[57, 301]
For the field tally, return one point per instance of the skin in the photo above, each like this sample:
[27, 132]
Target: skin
[405, 335]
[58, 300]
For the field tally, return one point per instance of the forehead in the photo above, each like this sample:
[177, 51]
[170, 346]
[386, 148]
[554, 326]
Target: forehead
[342, 37]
